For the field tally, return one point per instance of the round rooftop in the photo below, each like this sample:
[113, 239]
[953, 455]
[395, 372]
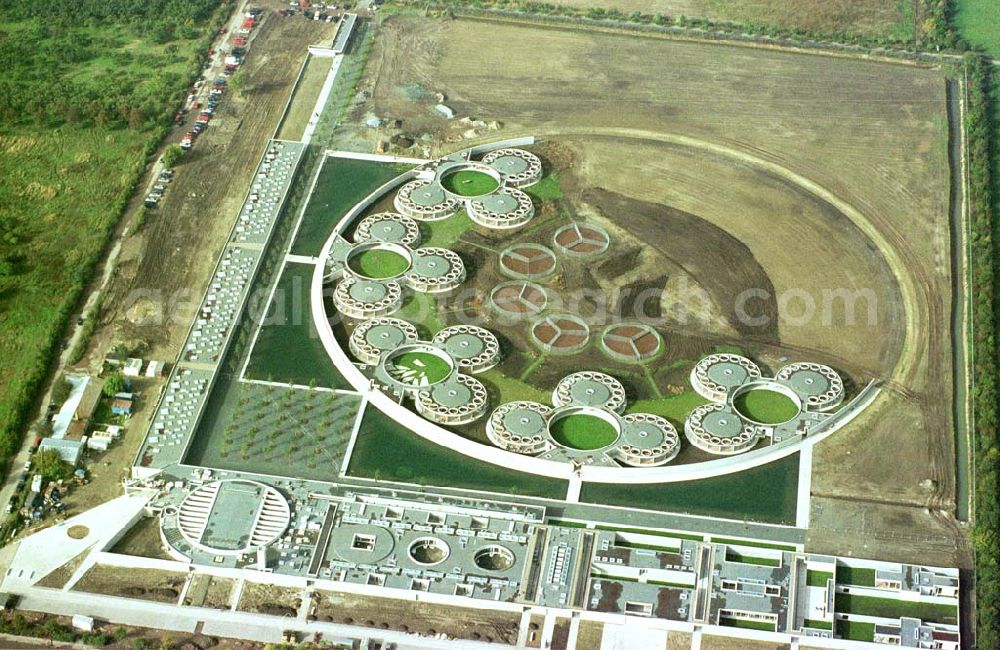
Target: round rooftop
[233, 517]
[588, 388]
[509, 164]
[474, 348]
[390, 227]
[722, 424]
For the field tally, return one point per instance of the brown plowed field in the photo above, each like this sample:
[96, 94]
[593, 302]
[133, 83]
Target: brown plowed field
[809, 181]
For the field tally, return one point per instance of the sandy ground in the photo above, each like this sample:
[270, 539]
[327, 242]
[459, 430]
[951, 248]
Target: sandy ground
[833, 172]
[144, 584]
[269, 599]
[419, 618]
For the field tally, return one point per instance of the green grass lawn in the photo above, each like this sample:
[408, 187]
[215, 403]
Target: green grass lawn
[583, 432]
[733, 556]
[766, 493]
[424, 367]
[891, 608]
[978, 21]
[379, 263]
[819, 625]
[766, 406]
[468, 182]
[547, 189]
[746, 625]
[855, 576]
[446, 232]
[855, 631]
[818, 578]
[387, 451]
[342, 182]
[674, 408]
[288, 348]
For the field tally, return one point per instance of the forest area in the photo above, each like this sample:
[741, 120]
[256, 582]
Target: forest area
[86, 95]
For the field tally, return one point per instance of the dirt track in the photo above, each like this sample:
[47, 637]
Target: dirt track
[166, 267]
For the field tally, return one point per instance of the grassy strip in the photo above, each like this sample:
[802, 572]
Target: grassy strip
[818, 625]
[980, 134]
[892, 608]
[855, 631]
[746, 625]
[855, 576]
[741, 542]
[733, 556]
[566, 524]
[818, 578]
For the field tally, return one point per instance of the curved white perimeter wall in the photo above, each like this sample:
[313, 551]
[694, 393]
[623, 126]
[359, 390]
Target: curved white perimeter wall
[554, 469]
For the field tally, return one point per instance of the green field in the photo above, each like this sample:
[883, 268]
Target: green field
[746, 625]
[386, 450]
[855, 631]
[733, 556]
[818, 578]
[342, 182]
[379, 264]
[468, 182]
[288, 348]
[419, 368]
[765, 493]
[978, 22]
[819, 625]
[891, 608]
[674, 408]
[765, 406]
[855, 576]
[583, 431]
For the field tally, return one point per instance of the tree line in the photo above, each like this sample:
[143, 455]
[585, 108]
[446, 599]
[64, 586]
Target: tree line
[981, 131]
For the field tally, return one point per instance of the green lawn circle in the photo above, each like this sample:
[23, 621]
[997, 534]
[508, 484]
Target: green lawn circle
[429, 365]
[469, 182]
[378, 263]
[765, 406]
[583, 431]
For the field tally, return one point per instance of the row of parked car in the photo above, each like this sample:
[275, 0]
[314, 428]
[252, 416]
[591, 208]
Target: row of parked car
[153, 198]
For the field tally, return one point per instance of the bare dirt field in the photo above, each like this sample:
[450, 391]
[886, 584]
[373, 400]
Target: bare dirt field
[874, 17]
[270, 599]
[209, 591]
[419, 618]
[142, 540]
[144, 584]
[727, 643]
[826, 178]
[678, 640]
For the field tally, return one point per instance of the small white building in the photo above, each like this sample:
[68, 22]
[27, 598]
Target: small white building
[132, 368]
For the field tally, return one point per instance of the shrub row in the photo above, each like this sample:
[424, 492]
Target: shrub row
[933, 32]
